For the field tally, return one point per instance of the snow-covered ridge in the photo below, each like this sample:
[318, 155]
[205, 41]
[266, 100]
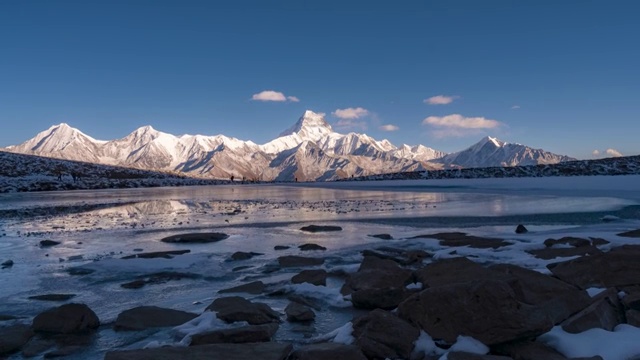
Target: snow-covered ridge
[309, 150]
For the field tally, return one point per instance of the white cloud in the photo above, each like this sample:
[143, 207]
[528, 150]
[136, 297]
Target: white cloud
[440, 100]
[389, 127]
[613, 152]
[515, 107]
[271, 95]
[596, 152]
[458, 121]
[350, 113]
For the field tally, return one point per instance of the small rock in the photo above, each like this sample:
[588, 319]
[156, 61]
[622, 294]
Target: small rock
[299, 313]
[80, 271]
[198, 238]
[52, 297]
[13, 337]
[157, 254]
[320, 228]
[299, 261]
[48, 243]
[520, 229]
[241, 255]
[281, 247]
[66, 319]
[135, 284]
[307, 247]
[145, 317]
[315, 277]
[7, 264]
[255, 287]
[631, 234]
[235, 308]
[382, 236]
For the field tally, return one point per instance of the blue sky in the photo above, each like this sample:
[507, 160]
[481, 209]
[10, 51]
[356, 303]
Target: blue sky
[559, 75]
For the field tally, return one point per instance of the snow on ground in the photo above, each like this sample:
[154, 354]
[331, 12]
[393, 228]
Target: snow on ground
[620, 344]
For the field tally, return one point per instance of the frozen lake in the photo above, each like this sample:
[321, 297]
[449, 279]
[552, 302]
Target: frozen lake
[97, 228]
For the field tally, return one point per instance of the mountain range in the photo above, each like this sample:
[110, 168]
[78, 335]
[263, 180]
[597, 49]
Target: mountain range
[309, 150]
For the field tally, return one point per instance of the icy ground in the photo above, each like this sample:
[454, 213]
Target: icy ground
[97, 228]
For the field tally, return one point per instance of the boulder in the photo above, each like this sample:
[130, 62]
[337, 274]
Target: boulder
[255, 287]
[241, 255]
[309, 247]
[66, 319]
[299, 261]
[632, 301]
[383, 298]
[402, 257]
[315, 277]
[568, 241]
[235, 308]
[324, 351]
[552, 253]
[157, 254]
[262, 351]
[52, 297]
[197, 238]
[37, 346]
[297, 312]
[616, 268]
[382, 236]
[49, 243]
[520, 229]
[606, 312]
[453, 271]
[13, 337]
[487, 310]
[382, 335]
[244, 334]
[529, 350]
[145, 317]
[633, 317]
[320, 228]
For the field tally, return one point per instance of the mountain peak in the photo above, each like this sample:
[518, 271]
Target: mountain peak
[310, 126]
[488, 139]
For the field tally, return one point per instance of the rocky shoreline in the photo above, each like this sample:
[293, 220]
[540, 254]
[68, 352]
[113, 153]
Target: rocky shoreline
[411, 304]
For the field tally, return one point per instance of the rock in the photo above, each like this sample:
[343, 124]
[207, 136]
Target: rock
[382, 335]
[605, 313]
[453, 271]
[244, 334]
[7, 317]
[7, 264]
[616, 268]
[552, 253]
[241, 255]
[13, 337]
[487, 310]
[633, 317]
[195, 238]
[320, 228]
[315, 277]
[599, 241]
[281, 247]
[461, 355]
[63, 351]
[632, 301]
[157, 254]
[556, 298]
[378, 283]
[37, 346]
[158, 278]
[400, 256]
[78, 271]
[568, 240]
[297, 312]
[145, 317]
[262, 351]
[235, 308]
[631, 234]
[382, 236]
[66, 319]
[520, 229]
[48, 243]
[455, 239]
[307, 247]
[529, 350]
[255, 287]
[299, 261]
[135, 284]
[52, 297]
[326, 351]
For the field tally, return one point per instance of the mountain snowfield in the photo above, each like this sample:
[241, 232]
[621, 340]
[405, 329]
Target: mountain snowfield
[308, 151]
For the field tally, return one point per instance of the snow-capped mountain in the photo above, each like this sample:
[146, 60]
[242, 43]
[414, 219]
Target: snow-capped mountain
[490, 152]
[309, 150]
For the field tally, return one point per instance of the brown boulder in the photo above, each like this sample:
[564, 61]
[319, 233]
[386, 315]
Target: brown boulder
[315, 277]
[244, 334]
[382, 335]
[326, 351]
[606, 312]
[235, 308]
[378, 283]
[13, 337]
[453, 271]
[262, 351]
[297, 312]
[198, 238]
[633, 317]
[383, 298]
[299, 261]
[529, 350]
[487, 310]
[145, 317]
[254, 287]
[66, 319]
